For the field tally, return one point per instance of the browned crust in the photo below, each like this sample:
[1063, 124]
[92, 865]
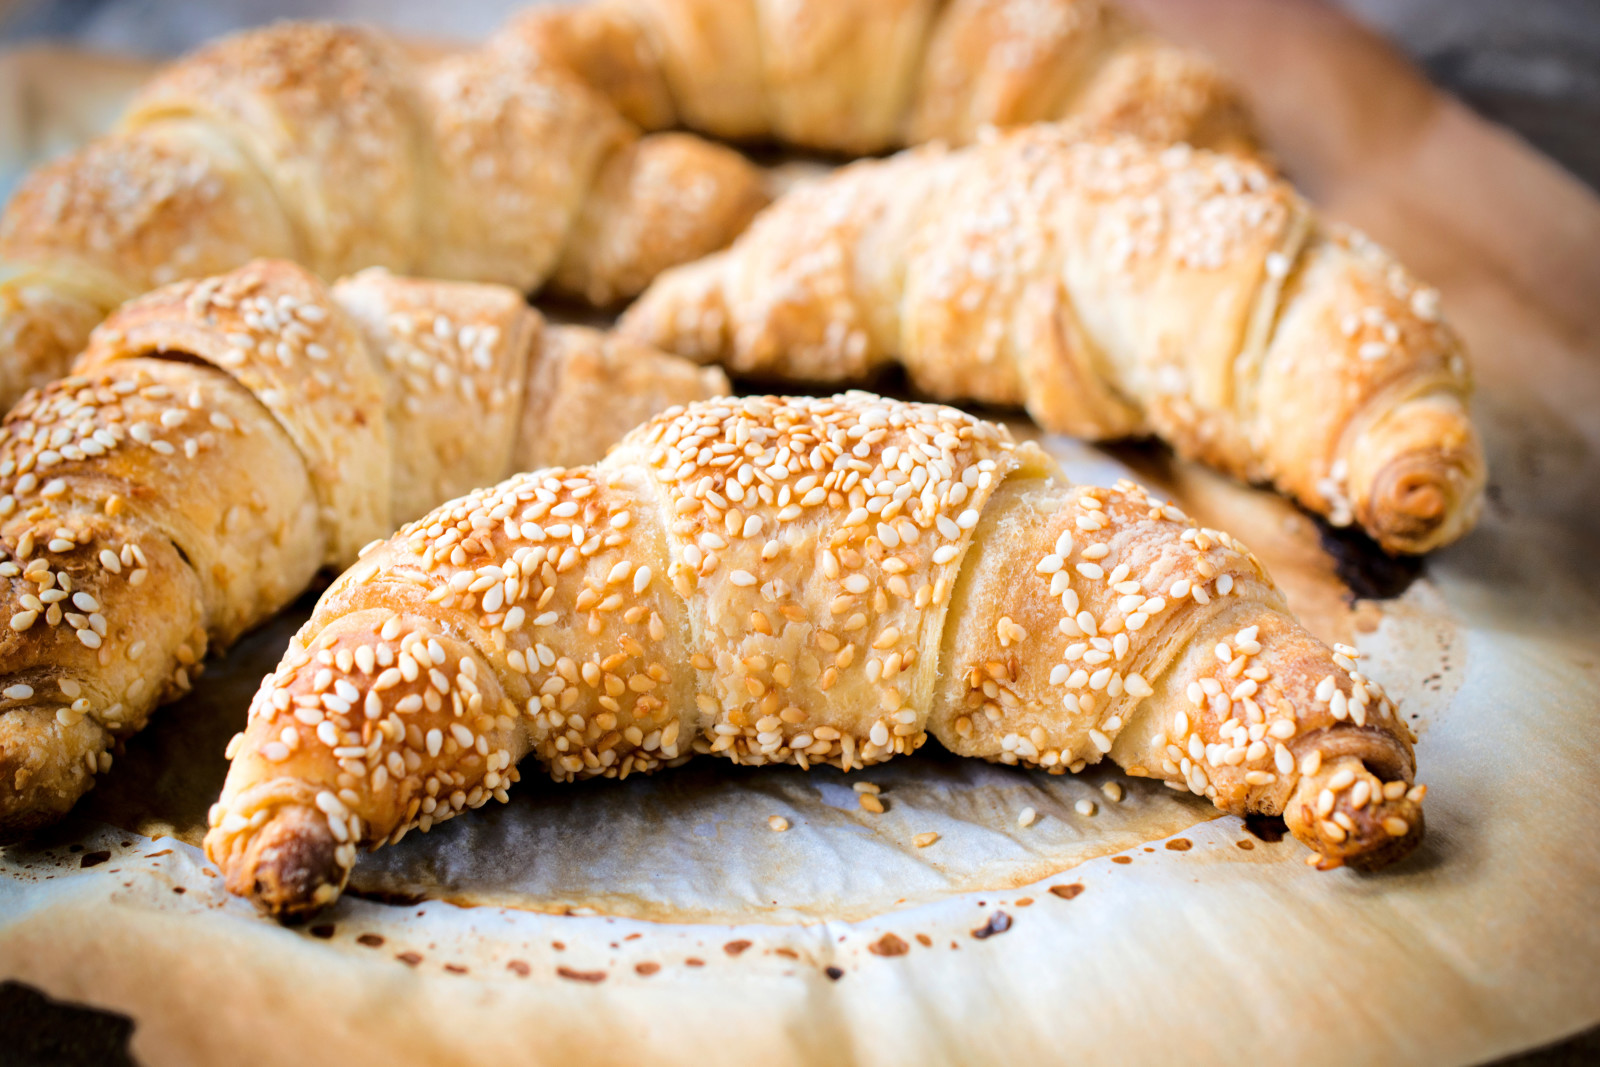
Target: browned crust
[286, 863]
[1416, 500]
[39, 782]
[1344, 829]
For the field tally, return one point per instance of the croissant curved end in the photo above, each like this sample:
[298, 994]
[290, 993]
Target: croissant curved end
[1350, 817]
[288, 867]
[42, 772]
[1423, 473]
[1424, 501]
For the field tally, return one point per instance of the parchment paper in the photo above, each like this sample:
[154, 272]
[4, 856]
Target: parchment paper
[661, 919]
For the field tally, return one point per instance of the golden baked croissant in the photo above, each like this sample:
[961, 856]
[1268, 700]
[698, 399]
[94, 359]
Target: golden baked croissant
[798, 581]
[864, 76]
[522, 161]
[221, 441]
[1112, 288]
[333, 147]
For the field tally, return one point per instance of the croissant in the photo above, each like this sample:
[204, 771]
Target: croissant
[221, 441]
[783, 580]
[331, 146]
[522, 161]
[863, 76]
[1112, 288]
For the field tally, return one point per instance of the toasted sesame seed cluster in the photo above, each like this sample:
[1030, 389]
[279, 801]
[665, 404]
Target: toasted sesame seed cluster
[224, 439]
[798, 580]
[1113, 288]
[276, 332]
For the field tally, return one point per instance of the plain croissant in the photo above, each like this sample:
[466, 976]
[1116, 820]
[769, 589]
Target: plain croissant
[522, 161]
[221, 441]
[798, 581]
[1113, 288]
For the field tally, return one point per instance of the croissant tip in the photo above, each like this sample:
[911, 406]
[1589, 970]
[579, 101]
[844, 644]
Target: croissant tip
[38, 785]
[1425, 500]
[1389, 850]
[289, 868]
[1349, 816]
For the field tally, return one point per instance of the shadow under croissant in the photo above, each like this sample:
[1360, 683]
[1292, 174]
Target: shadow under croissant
[668, 864]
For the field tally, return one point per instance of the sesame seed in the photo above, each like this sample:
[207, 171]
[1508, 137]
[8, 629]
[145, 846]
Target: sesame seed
[1086, 807]
[777, 823]
[1338, 705]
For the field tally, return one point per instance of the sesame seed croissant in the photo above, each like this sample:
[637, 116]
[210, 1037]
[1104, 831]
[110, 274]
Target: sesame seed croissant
[787, 580]
[221, 441]
[528, 160]
[1113, 288]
